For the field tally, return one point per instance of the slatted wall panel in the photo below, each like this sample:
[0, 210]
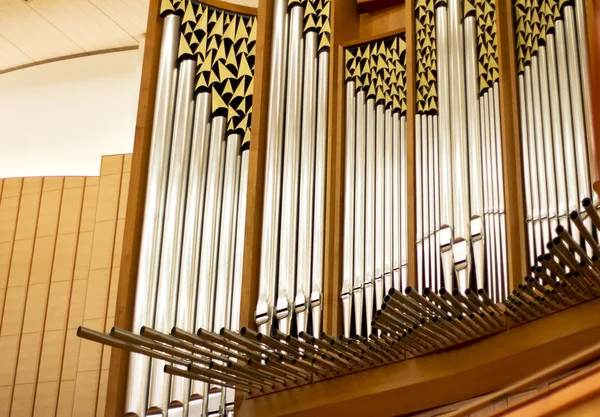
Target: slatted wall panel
[60, 252]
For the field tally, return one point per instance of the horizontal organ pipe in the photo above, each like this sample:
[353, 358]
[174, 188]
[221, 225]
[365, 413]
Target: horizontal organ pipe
[188, 198]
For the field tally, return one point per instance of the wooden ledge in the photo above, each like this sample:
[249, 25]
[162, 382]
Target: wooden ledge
[441, 378]
[370, 6]
[232, 7]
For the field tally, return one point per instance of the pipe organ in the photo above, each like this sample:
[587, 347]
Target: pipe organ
[413, 206]
[461, 231]
[291, 270]
[375, 191]
[554, 97]
[192, 245]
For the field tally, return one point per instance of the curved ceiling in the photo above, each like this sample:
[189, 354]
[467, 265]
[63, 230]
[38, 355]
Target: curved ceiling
[38, 31]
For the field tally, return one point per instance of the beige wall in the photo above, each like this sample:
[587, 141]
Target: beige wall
[60, 250]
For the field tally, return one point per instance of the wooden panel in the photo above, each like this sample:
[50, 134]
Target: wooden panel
[52, 234]
[344, 22]
[511, 146]
[453, 375]
[389, 19]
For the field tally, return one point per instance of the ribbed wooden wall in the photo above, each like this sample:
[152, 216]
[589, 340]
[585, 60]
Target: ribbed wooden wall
[60, 252]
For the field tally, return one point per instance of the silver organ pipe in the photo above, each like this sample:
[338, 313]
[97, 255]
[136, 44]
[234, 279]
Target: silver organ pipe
[192, 240]
[551, 49]
[461, 231]
[375, 180]
[292, 247]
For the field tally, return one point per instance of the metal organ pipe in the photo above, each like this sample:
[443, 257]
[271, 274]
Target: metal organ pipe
[295, 169]
[135, 400]
[550, 49]
[375, 183]
[196, 192]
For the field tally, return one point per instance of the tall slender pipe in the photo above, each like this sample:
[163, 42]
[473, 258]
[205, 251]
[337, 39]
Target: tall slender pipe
[349, 218]
[135, 399]
[270, 235]
[445, 147]
[307, 168]
[290, 178]
[168, 278]
[359, 211]
[474, 141]
[320, 177]
[190, 252]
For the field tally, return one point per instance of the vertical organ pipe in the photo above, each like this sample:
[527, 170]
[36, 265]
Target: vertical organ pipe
[360, 245]
[459, 144]
[369, 220]
[290, 180]
[307, 165]
[168, 278]
[379, 207]
[190, 254]
[239, 240]
[445, 148]
[269, 243]
[135, 400]
[319, 199]
[349, 218]
[473, 129]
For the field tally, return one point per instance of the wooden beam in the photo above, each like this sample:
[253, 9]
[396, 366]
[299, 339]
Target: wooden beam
[411, 99]
[514, 199]
[593, 28]
[441, 378]
[371, 6]
[256, 164]
[119, 360]
[344, 27]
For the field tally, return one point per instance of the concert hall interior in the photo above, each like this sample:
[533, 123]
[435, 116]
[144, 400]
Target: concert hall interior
[260, 208]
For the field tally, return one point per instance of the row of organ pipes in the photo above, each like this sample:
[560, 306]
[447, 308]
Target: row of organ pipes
[190, 263]
[461, 231]
[375, 247]
[292, 247]
[554, 104]
[191, 253]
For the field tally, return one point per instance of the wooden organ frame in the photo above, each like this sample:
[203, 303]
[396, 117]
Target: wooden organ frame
[407, 386]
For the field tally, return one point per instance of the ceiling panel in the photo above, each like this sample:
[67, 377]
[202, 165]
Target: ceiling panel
[52, 29]
[10, 55]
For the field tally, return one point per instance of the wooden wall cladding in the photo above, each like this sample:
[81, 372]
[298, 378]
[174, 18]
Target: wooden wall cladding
[391, 18]
[60, 252]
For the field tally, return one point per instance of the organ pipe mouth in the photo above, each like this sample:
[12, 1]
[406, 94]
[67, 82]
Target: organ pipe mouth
[574, 215]
[559, 229]
[586, 202]
[557, 241]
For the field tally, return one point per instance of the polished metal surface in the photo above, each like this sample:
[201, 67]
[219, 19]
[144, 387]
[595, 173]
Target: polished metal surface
[388, 226]
[290, 178]
[272, 187]
[349, 217]
[307, 168]
[474, 141]
[135, 399]
[170, 256]
[379, 207]
[318, 246]
[359, 209]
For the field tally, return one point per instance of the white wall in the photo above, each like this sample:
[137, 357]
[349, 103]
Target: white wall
[60, 118]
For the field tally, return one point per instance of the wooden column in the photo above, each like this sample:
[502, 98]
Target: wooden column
[411, 69]
[117, 377]
[593, 28]
[511, 145]
[256, 164]
[344, 27]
